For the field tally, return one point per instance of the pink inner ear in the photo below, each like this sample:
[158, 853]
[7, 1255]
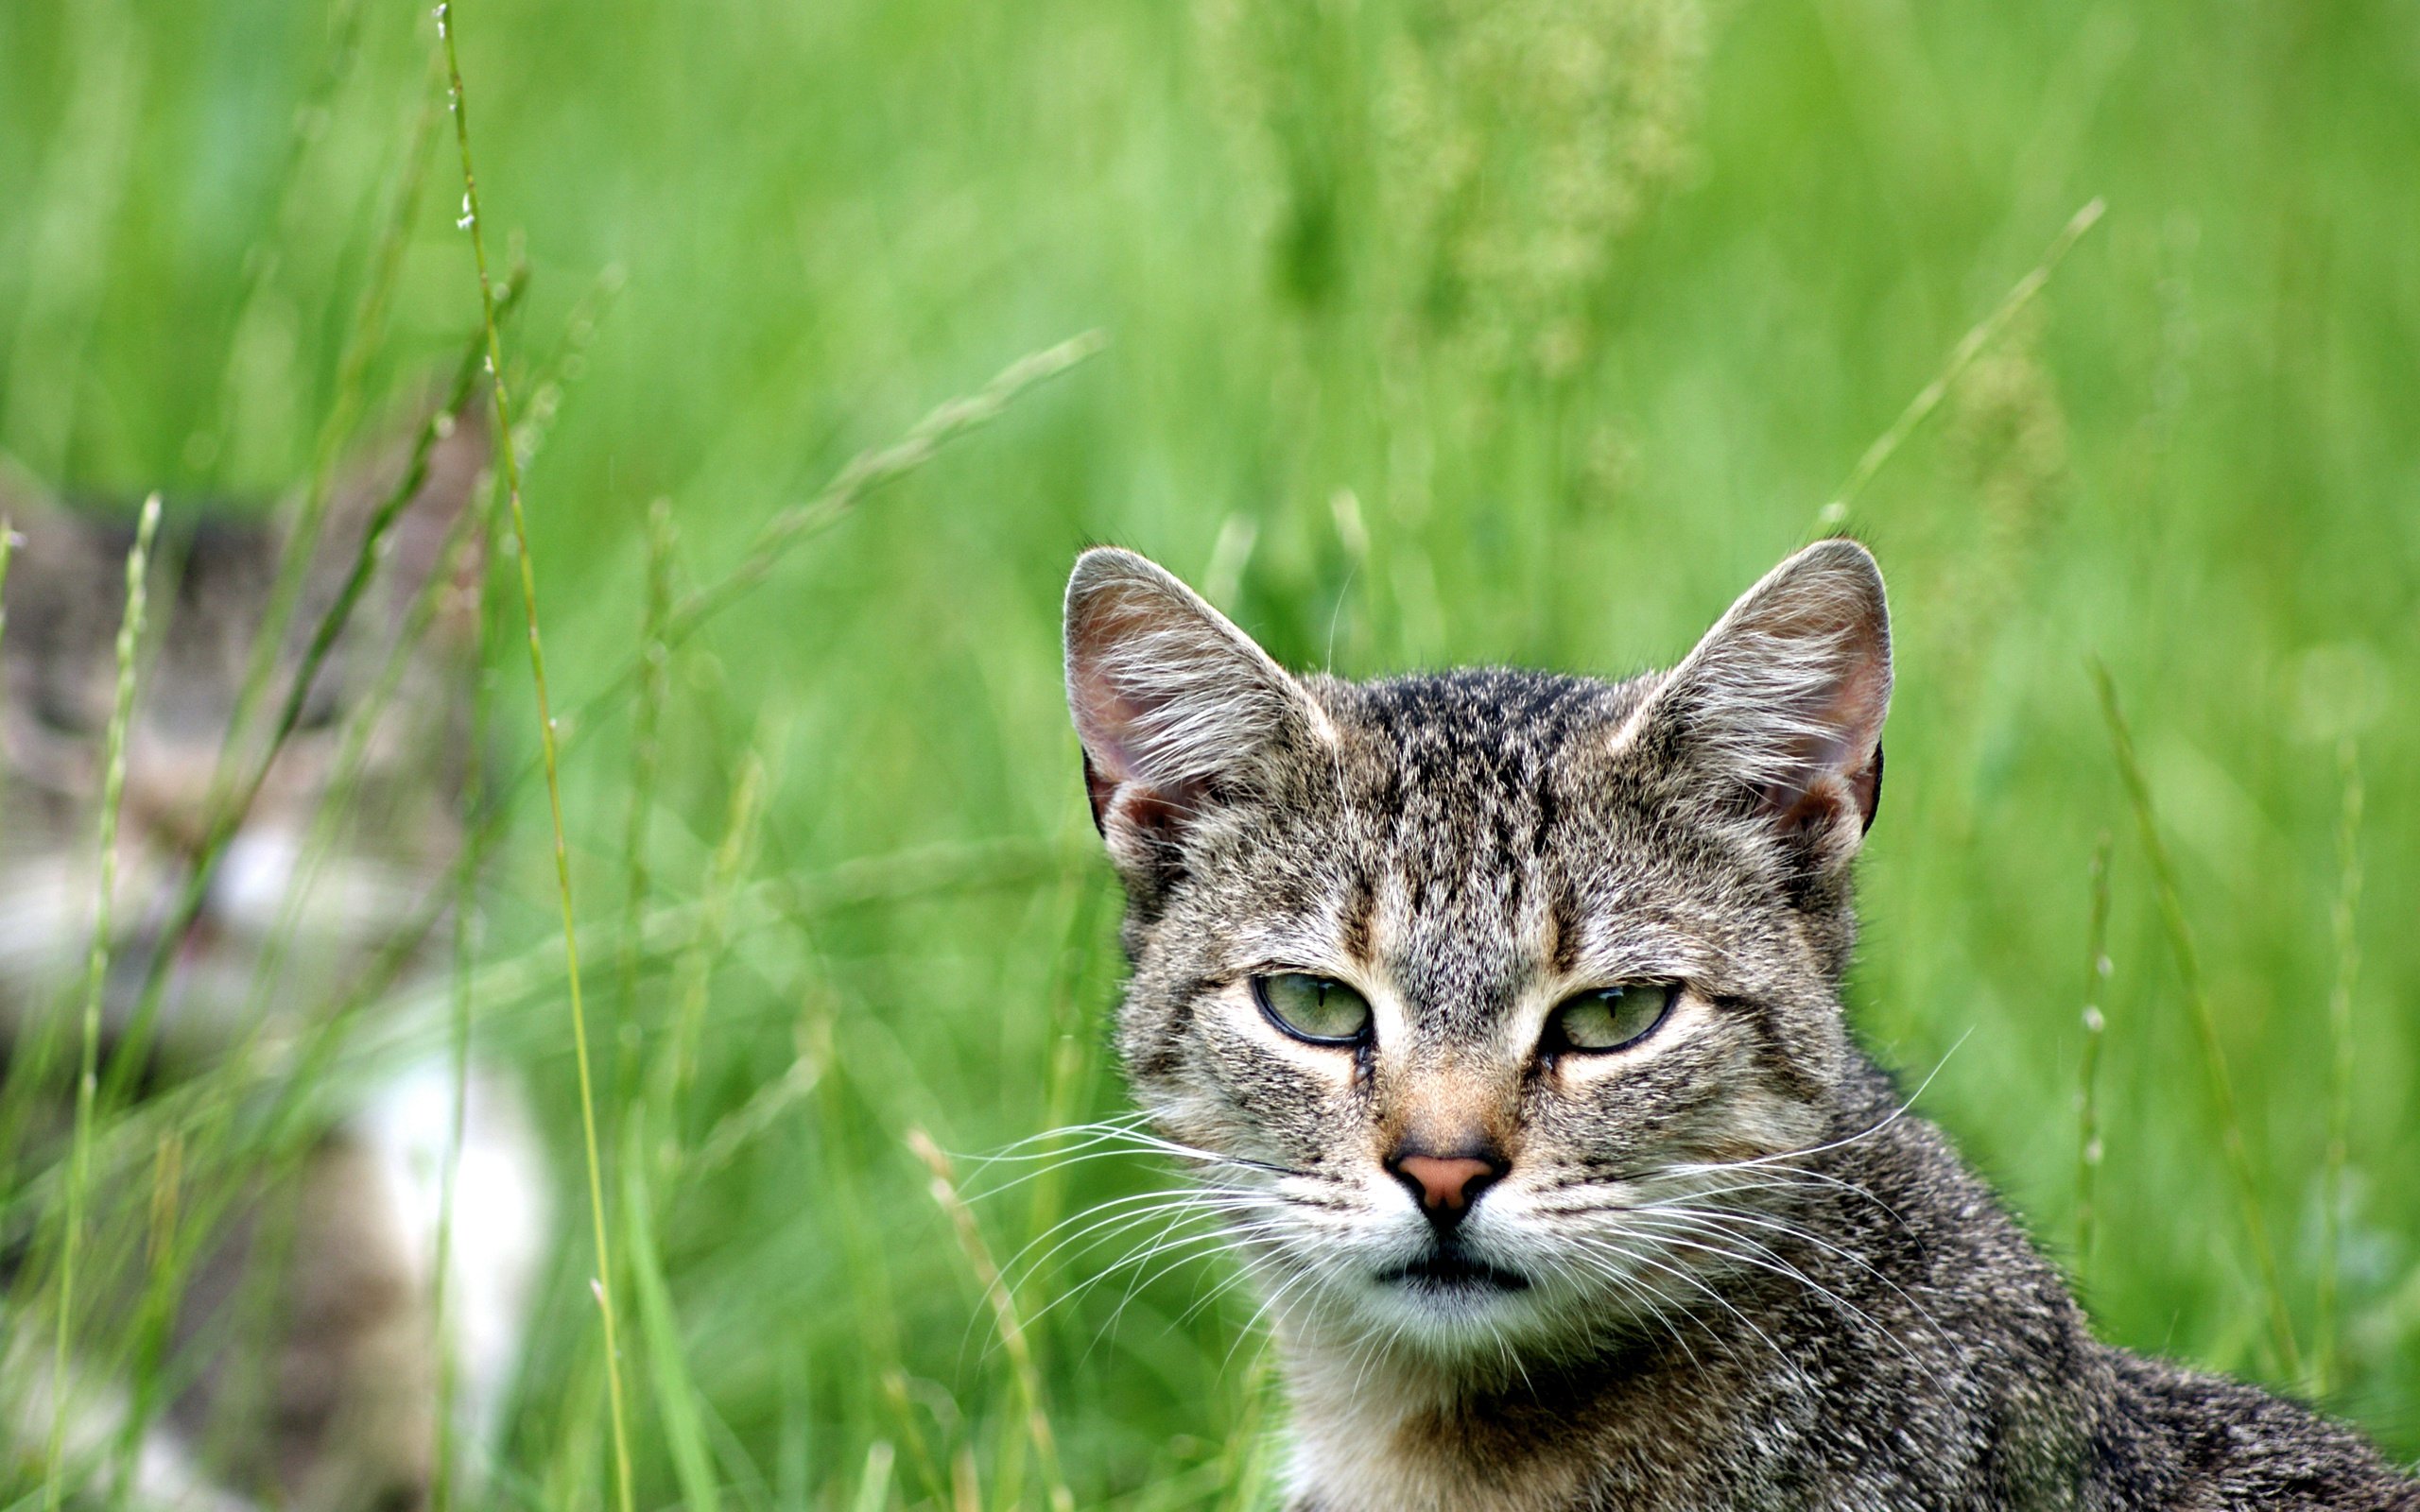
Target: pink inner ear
[1173, 703]
[1105, 720]
[1112, 720]
[1836, 762]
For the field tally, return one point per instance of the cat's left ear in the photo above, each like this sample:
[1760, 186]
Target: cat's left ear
[1780, 707]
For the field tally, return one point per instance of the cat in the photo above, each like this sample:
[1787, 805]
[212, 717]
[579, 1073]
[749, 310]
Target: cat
[304, 1352]
[1499, 1013]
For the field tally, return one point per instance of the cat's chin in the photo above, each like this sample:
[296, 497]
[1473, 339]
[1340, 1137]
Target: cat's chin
[1449, 1303]
[1455, 1277]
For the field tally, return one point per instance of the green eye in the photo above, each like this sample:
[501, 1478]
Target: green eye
[1610, 1017]
[1318, 1008]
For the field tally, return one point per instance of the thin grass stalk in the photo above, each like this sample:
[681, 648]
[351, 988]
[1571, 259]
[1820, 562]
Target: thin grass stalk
[2206, 1023]
[2326, 1348]
[186, 909]
[1004, 1316]
[464, 543]
[2096, 1027]
[604, 1287]
[1961, 356]
[96, 967]
[647, 763]
[344, 412]
[460, 1019]
[470, 539]
[965, 1481]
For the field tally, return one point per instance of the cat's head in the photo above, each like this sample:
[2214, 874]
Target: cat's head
[327, 862]
[1465, 989]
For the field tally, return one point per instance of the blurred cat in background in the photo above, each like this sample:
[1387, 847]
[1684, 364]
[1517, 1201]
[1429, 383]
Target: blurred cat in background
[303, 1359]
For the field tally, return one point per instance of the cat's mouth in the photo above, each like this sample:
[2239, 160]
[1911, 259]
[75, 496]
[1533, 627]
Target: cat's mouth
[1451, 1269]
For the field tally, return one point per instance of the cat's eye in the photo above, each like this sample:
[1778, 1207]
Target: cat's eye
[1609, 1018]
[1318, 1008]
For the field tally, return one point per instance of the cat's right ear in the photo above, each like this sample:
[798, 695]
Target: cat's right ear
[1176, 708]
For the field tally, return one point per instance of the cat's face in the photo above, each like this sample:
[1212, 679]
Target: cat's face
[314, 879]
[1466, 989]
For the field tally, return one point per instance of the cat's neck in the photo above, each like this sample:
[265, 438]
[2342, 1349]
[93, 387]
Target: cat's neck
[1373, 1429]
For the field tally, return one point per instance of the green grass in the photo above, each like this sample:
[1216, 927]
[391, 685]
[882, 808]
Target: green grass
[1420, 350]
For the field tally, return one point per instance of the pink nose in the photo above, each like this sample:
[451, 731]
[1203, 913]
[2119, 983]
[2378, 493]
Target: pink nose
[1444, 1183]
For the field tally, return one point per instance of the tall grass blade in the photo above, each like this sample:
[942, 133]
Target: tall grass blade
[2327, 1359]
[547, 748]
[96, 968]
[2205, 1024]
[660, 1330]
[873, 1485]
[2096, 1027]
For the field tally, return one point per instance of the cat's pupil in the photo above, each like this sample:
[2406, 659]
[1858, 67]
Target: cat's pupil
[1612, 1016]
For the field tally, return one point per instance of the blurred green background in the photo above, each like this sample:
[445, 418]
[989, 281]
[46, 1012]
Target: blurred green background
[1441, 330]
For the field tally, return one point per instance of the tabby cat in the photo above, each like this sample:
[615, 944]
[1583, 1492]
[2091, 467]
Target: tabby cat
[302, 1359]
[1500, 1012]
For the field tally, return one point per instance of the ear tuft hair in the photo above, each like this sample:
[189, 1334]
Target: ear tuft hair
[1173, 704]
[1781, 705]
